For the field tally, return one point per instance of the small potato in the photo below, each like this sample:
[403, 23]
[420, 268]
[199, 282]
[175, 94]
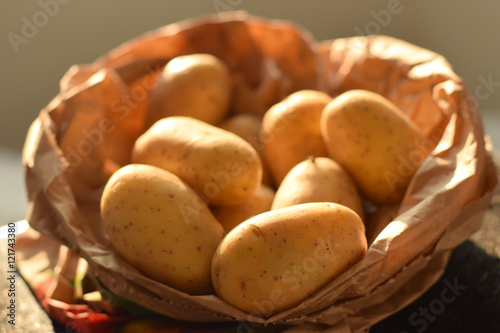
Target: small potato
[379, 220]
[375, 142]
[291, 131]
[231, 216]
[224, 169]
[318, 179]
[247, 126]
[194, 85]
[273, 261]
[161, 226]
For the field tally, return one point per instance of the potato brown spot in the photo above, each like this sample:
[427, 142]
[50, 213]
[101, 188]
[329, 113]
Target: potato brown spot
[256, 231]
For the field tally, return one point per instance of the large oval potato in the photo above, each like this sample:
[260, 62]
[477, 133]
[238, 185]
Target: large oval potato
[291, 131]
[224, 169]
[318, 179]
[161, 226]
[193, 85]
[375, 142]
[275, 260]
[231, 216]
[247, 126]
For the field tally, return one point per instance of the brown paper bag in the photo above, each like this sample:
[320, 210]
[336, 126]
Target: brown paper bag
[87, 132]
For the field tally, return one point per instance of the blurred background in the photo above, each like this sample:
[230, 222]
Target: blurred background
[42, 39]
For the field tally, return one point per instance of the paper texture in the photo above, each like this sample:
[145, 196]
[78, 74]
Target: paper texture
[87, 132]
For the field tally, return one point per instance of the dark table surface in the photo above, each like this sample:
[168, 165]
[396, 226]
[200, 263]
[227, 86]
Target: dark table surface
[471, 304]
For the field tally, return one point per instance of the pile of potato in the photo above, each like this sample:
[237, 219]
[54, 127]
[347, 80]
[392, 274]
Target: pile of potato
[264, 210]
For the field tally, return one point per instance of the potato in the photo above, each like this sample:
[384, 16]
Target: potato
[247, 126]
[273, 261]
[161, 226]
[231, 216]
[194, 85]
[379, 220]
[223, 168]
[291, 131]
[375, 142]
[318, 179]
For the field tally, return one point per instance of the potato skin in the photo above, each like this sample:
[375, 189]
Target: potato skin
[161, 226]
[193, 85]
[231, 216]
[318, 179]
[291, 131]
[222, 167]
[379, 220]
[247, 126]
[375, 142]
[275, 260]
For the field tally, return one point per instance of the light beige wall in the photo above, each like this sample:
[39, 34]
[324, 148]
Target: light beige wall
[465, 32]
